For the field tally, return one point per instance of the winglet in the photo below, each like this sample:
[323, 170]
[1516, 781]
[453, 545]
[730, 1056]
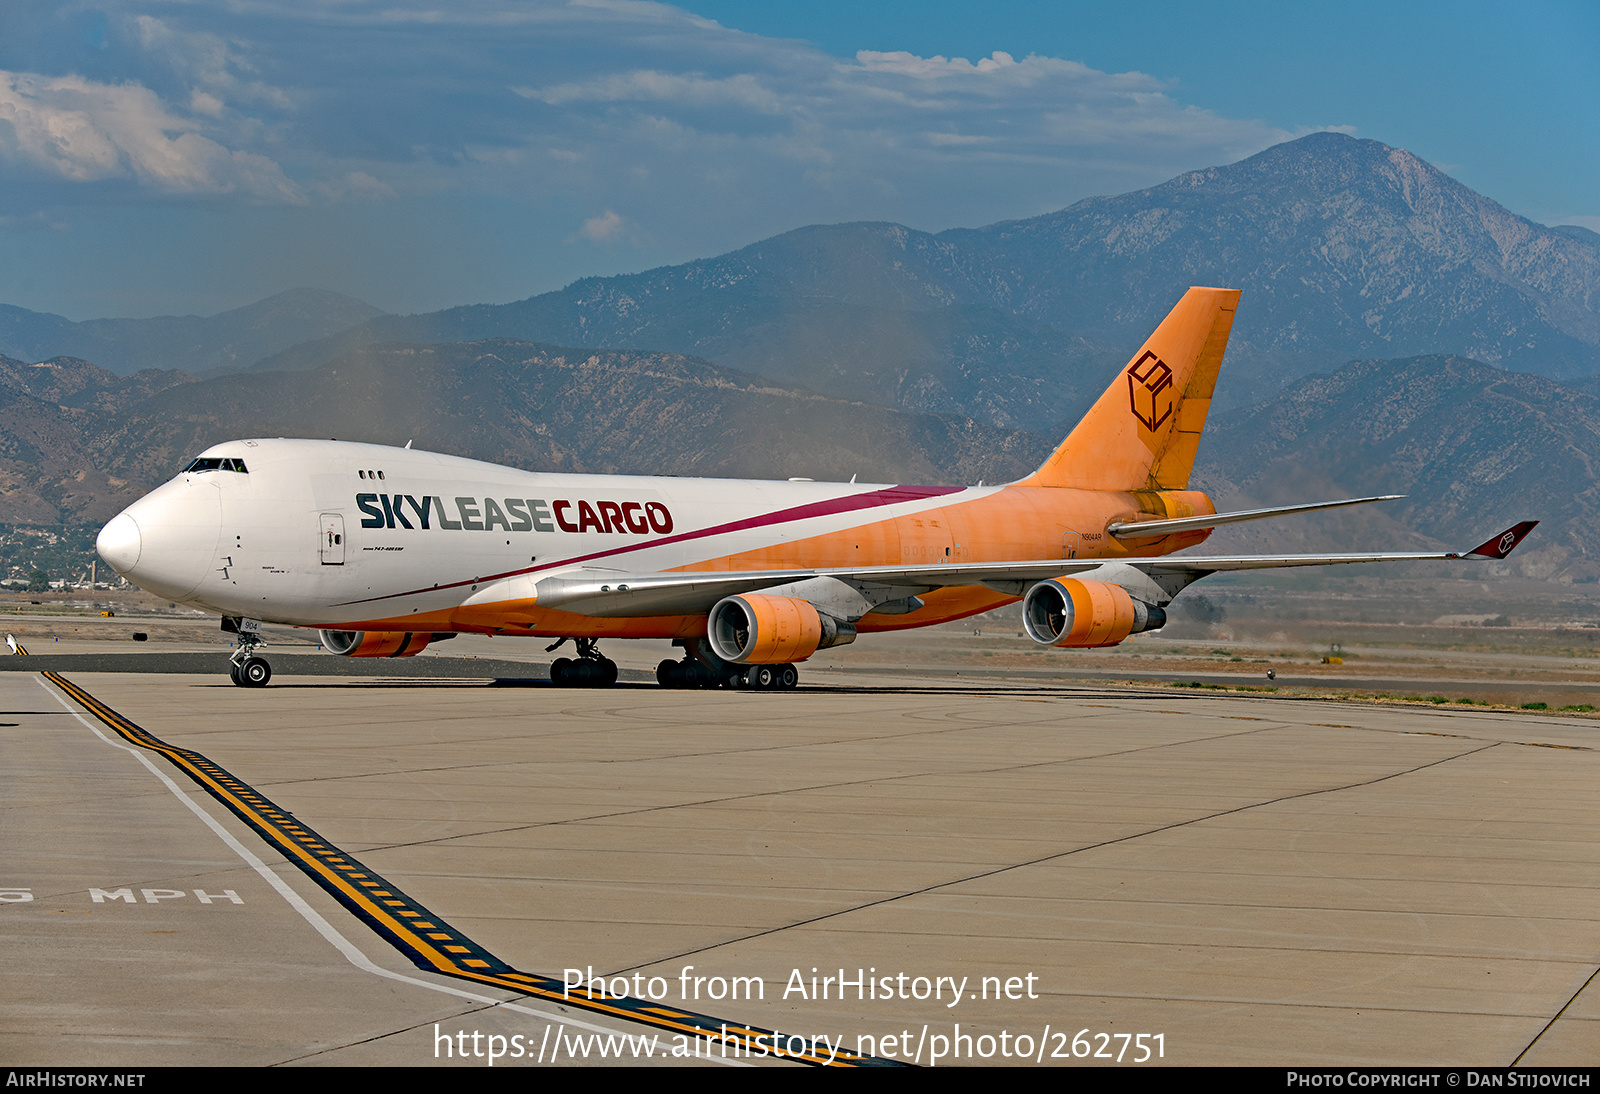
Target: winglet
[1503, 544]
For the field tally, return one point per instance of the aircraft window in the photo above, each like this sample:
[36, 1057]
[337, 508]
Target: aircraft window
[363, 474]
[213, 463]
[380, 474]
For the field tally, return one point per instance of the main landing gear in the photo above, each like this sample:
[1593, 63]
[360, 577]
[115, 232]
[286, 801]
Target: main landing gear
[693, 672]
[245, 669]
[590, 669]
[766, 678]
[700, 668]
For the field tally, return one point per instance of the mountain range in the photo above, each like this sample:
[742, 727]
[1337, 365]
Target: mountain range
[1476, 448]
[878, 351]
[1344, 249]
[232, 339]
[77, 443]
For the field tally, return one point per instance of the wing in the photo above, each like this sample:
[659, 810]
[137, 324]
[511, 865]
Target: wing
[675, 593]
[614, 594]
[1498, 547]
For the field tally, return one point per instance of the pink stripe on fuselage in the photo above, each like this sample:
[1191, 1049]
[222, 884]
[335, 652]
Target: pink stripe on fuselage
[872, 499]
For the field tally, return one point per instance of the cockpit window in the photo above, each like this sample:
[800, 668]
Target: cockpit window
[213, 463]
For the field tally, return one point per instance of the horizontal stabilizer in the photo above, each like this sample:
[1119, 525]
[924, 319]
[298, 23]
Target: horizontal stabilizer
[1147, 529]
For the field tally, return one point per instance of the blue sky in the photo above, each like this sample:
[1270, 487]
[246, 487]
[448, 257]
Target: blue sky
[171, 157]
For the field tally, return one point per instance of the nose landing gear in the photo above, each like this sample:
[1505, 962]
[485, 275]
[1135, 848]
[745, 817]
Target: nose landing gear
[245, 669]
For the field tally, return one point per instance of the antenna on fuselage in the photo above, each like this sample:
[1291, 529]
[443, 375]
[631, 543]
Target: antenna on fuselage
[408, 444]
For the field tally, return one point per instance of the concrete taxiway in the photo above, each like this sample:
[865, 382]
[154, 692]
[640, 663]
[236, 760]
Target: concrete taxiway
[1215, 879]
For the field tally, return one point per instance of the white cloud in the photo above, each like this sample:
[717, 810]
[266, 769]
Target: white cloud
[647, 85]
[909, 64]
[76, 129]
[202, 102]
[602, 102]
[206, 61]
[602, 229]
[490, 128]
[354, 186]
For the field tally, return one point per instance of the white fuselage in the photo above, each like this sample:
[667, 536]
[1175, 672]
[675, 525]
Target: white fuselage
[328, 533]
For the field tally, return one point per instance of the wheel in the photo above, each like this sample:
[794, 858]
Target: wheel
[561, 671]
[608, 673]
[233, 674]
[788, 677]
[254, 672]
[667, 674]
[740, 679]
[764, 677]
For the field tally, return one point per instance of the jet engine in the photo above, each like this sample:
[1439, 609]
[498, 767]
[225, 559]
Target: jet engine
[1066, 611]
[758, 629]
[375, 643]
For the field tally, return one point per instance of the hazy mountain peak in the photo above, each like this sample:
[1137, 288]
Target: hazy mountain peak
[236, 337]
[1343, 247]
[1578, 232]
[318, 305]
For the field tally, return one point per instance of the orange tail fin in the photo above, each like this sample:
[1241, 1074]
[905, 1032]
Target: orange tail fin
[1143, 432]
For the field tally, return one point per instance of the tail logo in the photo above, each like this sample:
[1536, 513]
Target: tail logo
[1508, 541]
[1150, 375]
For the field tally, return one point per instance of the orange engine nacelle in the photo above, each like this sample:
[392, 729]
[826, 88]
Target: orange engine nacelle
[375, 643]
[1066, 611]
[757, 629]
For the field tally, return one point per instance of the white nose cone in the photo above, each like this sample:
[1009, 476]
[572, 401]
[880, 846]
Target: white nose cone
[118, 543]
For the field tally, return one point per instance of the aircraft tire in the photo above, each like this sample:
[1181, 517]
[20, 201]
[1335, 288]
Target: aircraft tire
[233, 674]
[788, 677]
[561, 672]
[667, 674]
[591, 673]
[740, 679]
[764, 677]
[255, 672]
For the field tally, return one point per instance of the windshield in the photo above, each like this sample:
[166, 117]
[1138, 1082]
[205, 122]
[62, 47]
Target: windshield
[213, 463]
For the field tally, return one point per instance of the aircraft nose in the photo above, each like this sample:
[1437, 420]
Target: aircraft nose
[118, 543]
[166, 542]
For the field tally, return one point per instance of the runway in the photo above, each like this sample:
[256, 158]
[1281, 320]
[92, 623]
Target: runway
[1201, 877]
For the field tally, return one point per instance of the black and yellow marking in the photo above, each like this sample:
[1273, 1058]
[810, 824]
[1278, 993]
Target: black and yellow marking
[426, 940]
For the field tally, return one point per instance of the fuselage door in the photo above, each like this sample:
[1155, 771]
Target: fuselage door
[333, 539]
[1070, 545]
